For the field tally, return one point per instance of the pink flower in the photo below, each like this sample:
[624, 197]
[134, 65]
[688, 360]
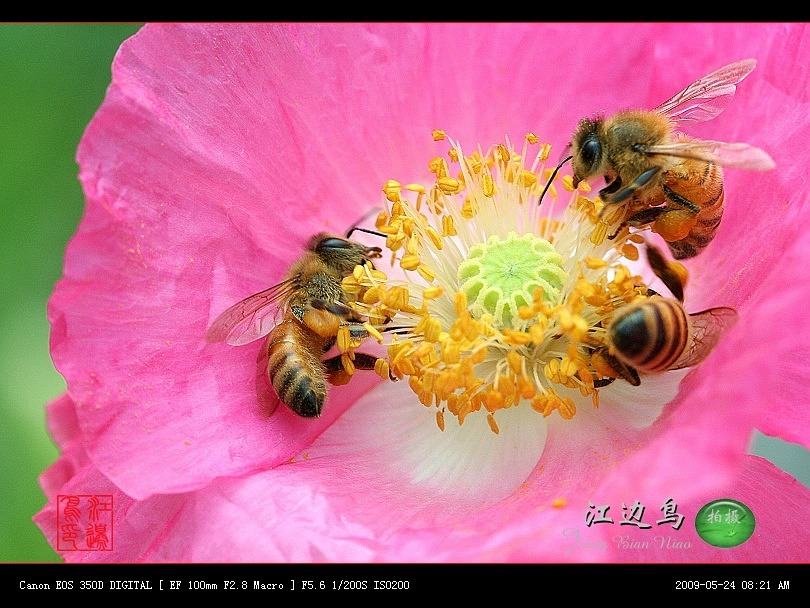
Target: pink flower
[220, 149]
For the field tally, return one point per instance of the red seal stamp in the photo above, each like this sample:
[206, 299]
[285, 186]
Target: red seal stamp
[84, 522]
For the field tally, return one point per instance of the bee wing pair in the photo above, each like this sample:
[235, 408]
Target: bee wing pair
[253, 317]
[701, 101]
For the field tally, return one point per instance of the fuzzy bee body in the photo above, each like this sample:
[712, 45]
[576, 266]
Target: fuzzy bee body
[665, 179]
[650, 336]
[313, 306]
[656, 334]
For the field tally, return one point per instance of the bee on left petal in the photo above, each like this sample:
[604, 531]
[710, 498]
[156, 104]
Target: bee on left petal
[313, 307]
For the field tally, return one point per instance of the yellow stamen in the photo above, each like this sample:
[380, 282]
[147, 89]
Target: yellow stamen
[466, 338]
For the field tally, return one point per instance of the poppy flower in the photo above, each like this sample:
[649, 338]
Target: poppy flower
[220, 150]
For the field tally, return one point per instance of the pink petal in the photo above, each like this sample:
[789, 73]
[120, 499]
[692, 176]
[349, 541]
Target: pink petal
[195, 197]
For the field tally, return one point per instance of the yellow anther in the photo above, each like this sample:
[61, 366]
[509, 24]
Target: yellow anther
[432, 292]
[433, 329]
[373, 294]
[451, 352]
[438, 135]
[526, 312]
[404, 365]
[636, 238]
[343, 339]
[381, 369]
[517, 338]
[452, 154]
[567, 408]
[537, 331]
[426, 273]
[492, 424]
[460, 302]
[532, 138]
[467, 210]
[382, 219]
[448, 185]
[440, 420]
[595, 263]
[487, 184]
[599, 233]
[392, 190]
[434, 237]
[565, 319]
[397, 297]
[348, 364]
[418, 188]
[438, 166]
[515, 361]
[448, 226]
[410, 261]
[526, 388]
[552, 370]
[545, 150]
[568, 367]
[374, 332]
[568, 183]
[479, 355]
[527, 178]
[629, 251]
[559, 503]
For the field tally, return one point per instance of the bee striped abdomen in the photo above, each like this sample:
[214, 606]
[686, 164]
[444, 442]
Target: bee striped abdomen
[650, 336]
[296, 375]
[709, 195]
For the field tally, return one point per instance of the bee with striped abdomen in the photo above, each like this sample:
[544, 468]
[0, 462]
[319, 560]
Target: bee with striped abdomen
[313, 307]
[657, 334]
[667, 180]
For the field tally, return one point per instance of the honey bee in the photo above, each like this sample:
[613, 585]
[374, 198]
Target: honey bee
[668, 180]
[313, 307]
[657, 334]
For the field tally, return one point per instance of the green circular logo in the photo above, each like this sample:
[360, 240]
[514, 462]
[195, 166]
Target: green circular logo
[725, 523]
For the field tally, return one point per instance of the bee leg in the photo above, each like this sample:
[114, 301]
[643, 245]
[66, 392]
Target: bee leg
[366, 361]
[621, 227]
[337, 309]
[624, 193]
[603, 382]
[625, 372]
[679, 200]
[338, 375]
[666, 271]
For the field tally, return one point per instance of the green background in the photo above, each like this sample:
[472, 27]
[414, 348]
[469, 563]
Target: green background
[53, 80]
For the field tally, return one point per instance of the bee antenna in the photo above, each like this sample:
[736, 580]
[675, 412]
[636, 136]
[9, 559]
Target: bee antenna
[551, 179]
[349, 233]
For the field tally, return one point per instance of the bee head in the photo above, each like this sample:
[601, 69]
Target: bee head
[341, 254]
[586, 148]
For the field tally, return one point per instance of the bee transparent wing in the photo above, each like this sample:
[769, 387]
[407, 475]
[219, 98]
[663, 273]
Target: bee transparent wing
[707, 328]
[738, 155]
[251, 318]
[709, 96]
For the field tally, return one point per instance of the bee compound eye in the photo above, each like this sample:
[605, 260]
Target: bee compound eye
[591, 151]
[334, 243]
